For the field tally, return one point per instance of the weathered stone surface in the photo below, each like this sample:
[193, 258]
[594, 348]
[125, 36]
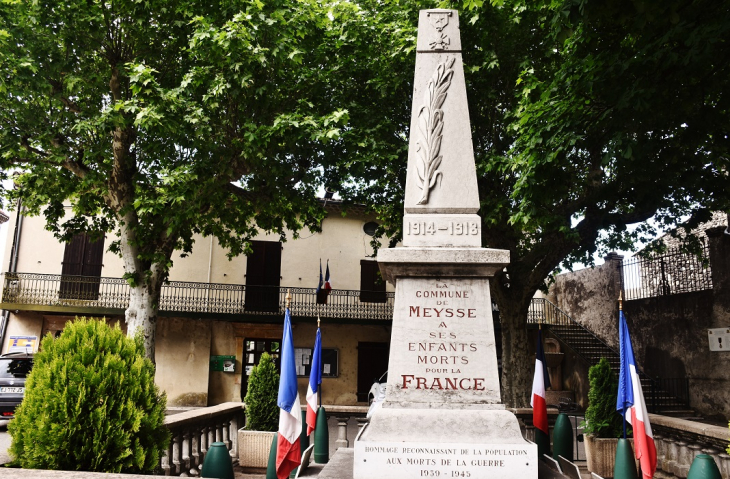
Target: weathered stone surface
[441, 262]
[441, 172]
[669, 332]
[442, 415]
[442, 352]
[442, 230]
[416, 443]
[438, 31]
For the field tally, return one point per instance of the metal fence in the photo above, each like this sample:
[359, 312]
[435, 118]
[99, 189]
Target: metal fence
[672, 272]
[187, 297]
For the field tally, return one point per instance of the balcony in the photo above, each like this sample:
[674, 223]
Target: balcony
[228, 302]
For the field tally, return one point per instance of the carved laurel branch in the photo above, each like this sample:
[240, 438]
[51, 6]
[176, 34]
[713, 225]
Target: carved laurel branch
[431, 124]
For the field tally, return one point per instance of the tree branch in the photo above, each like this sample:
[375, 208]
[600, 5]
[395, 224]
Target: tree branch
[56, 89]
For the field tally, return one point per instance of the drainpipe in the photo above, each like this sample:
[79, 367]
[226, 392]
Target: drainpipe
[12, 268]
[210, 268]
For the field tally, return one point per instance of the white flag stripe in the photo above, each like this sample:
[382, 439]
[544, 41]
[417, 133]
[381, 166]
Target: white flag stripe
[639, 404]
[290, 423]
[538, 382]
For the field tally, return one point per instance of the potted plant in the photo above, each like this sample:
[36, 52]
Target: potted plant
[262, 415]
[603, 424]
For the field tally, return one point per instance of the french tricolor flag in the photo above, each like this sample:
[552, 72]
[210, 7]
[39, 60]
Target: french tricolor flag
[288, 450]
[315, 379]
[631, 403]
[327, 283]
[540, 383]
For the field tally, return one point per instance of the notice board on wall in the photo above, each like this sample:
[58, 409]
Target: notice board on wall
[330, 362]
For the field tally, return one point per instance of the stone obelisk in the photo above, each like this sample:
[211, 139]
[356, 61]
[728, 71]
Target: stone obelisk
[442, 415]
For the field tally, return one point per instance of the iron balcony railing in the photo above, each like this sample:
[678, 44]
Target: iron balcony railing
[672, 272]
[85, 292]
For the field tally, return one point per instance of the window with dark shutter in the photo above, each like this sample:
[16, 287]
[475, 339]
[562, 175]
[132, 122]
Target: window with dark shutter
[372, 363]
[372, 285]
[263, 276]
[81, 268]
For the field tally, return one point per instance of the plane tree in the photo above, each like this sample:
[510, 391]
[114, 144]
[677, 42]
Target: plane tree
[587, 118]
[161, 120]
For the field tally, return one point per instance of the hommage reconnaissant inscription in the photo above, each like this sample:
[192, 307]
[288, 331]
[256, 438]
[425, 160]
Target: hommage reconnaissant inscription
[442, 415]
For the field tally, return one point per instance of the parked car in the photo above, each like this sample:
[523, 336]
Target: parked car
[14, 368]
[376, 395]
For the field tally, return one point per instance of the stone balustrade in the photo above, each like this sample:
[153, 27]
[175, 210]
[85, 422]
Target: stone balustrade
[343, 414]
[679, 441]
[194, 431]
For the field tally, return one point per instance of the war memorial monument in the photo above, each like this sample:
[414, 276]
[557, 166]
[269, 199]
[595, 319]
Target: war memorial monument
[442, 415]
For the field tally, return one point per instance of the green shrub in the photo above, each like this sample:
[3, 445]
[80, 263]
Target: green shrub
[91, 404]
[602, 419]
[262, 412]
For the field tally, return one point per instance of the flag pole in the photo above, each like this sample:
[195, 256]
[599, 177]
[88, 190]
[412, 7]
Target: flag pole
[319, 389]
[621, 308]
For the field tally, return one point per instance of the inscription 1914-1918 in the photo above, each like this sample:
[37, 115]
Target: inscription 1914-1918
[457, 228]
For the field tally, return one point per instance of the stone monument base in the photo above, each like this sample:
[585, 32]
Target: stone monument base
[416, 443]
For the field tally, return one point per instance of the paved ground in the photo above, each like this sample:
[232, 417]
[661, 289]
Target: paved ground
[314, 470]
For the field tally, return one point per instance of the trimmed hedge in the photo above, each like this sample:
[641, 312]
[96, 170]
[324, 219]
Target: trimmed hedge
[602, 419]
[262, 411]
[91, 404]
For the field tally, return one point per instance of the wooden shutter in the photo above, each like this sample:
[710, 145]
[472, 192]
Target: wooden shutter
[372, 362]
[81, 268]
[263, 276]
[372, 285]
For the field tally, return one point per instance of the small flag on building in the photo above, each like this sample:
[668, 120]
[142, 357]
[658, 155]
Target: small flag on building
[324, 286]
[315, 380]
[288, 450]
[321, 281]
[327, 284]
[540, 383]
[631, 403]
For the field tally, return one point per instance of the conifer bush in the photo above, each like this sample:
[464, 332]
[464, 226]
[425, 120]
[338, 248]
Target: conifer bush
[262, 412]
[601, 418]
[91, 404]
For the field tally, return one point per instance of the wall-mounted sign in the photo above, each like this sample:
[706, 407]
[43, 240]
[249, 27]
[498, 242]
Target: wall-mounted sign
[226, 364]
[719, 339]
[22, 344]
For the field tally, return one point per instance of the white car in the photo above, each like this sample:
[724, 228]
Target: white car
[376, 395]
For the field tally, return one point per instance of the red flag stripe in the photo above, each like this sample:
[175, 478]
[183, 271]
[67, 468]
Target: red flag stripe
[288, 456]
[539, 414]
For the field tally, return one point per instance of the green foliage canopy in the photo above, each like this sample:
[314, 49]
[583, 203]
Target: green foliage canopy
[262, 411]
[91, 404]
[160, 121]
[587, 118]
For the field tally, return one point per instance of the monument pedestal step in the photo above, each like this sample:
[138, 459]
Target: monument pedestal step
[415, 443]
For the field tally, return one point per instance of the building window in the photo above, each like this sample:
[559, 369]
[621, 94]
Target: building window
[372, 285]
[253, 348]
[263, 276]
[372, 363]
[81, 268]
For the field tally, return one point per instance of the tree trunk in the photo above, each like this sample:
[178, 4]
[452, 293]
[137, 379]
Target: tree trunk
[517, 371]
[145, 286]
[141, 315]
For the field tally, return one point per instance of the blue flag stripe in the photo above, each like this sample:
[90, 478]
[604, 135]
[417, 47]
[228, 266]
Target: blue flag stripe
[625, 397]
[288, 381]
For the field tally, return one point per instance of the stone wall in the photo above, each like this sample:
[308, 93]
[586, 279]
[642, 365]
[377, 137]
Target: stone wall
[669, 333]
[590, 297]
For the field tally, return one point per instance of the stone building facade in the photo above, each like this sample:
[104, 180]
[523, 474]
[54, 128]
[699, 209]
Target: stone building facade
[214, 309]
